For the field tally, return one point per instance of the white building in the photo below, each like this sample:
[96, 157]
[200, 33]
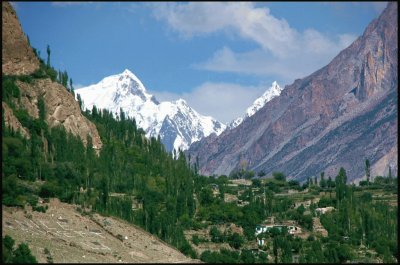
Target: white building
[325, 210]
[262, 228]
[292, 229]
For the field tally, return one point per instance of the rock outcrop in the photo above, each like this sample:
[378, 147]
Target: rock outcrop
[61, 106]
[338, 116]
[18, 57]
[12, 121]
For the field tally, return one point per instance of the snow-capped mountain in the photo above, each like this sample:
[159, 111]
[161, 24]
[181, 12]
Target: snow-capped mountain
[273, 91]
[177, 124]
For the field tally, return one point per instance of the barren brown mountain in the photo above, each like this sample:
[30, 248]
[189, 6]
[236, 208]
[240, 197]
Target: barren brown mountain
[338, 116]
[17, 55]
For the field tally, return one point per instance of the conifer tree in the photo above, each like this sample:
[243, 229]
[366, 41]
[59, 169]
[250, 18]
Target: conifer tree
[70, 85]
[48, 55]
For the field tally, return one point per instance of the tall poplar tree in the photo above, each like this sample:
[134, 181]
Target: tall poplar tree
[367, 170]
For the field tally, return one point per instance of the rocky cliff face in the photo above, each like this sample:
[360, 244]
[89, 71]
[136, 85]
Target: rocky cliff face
[17, 55]
[336, 117]
[61, 107]
[12, 121]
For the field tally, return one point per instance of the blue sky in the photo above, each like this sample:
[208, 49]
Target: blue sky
[218, 56]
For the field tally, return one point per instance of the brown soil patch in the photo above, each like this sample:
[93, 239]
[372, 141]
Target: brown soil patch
[71, 237]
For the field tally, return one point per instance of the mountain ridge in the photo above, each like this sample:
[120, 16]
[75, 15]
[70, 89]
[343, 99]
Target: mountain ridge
[335, 98]
[176, 120]
[273, 91]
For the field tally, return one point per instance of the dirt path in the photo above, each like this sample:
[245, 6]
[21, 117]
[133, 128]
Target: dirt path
[318, 228]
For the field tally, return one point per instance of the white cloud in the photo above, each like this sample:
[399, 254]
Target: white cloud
[243, 18]
[283, 51]
[222, 101]
[259, 62]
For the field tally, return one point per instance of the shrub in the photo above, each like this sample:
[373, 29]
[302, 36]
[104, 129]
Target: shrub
[235, 240]
[195, 239]
[32, 200]
[39, 209]
[26, 78]
[48, 190]
[279, 176]
[23, 255]
[9, 89]
[20, 255]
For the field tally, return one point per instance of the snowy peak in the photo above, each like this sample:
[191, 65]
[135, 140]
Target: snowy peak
[128, 84]
[272, 92]
[181, 102]
[130, 79]
[176, 122]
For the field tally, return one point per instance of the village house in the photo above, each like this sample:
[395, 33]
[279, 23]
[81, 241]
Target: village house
[306, 203]
[292, 229]
[261, 241]
[324, 210]
[263, 228]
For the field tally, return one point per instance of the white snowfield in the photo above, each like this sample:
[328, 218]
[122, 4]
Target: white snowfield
[177, 124]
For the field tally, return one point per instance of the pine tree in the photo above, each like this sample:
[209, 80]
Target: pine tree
[70, 86]
[42, 109]
[48, 56]
[79, 101]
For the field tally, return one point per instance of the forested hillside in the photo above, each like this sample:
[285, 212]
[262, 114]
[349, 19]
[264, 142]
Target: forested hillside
[54, 163]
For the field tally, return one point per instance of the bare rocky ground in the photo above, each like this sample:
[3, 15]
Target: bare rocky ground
[73, 238]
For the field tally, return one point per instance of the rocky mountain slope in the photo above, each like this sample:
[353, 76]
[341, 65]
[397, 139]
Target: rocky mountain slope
[268, 95]
[336, 117]
[177, 124]
[72, 237]
[61, 107]
[17, 56]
